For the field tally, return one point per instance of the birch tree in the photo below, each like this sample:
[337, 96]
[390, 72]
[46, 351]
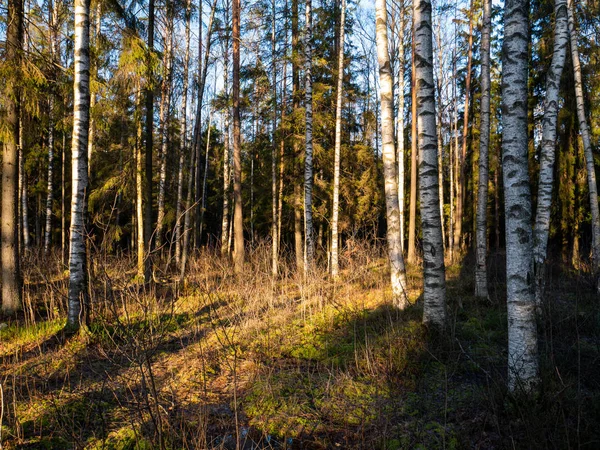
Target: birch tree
[398, 276]
[481, 289]
[50, 187]
[11, 276]
[587, 144]
[309, 243]
[78, 282]
[412, 213]
[548, 152]
[434, 292]
[338, 147]
[522, 335]
[400, 120]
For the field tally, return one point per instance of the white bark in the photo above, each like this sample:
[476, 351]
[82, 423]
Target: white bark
[23, 217]
[587, 143]
[204, 178]
[338, 148]
[434, 293]
[81, 117]
[309, 239]
[400, 124]
[50, 191]
[481, 288]
[398, 276]
[522, 334]
[548, 153]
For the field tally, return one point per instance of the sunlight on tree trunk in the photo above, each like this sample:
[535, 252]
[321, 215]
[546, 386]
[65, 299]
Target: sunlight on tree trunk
[338, 147]
[398, 276]
[434, 291]
[78, 282]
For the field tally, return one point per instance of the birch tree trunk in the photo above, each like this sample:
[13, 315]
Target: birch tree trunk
[238, 218]
[63, 208]
[50, 187]
[412, 218]
[338, 148]
[183, 134]
[309, 238]
[548, 153]
[226, 158]
[522, 333]
[23, 190]
[93, 73]
[434, 292]
[398, 276]
[400, 124]
[481, 288]
[440, 138]
[587, 144]
[50, 191]
[11, 276]
[78, 292]
[204, 178]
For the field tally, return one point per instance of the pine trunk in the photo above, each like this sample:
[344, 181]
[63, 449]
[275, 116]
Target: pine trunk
[139, 189]
[165, 106]
[11, 276]
[182, 135]
[149, 147]
[238, 218]
[462, 161]
[274, 237]
[587, 144]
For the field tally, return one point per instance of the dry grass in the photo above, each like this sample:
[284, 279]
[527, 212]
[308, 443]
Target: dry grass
[248, 361]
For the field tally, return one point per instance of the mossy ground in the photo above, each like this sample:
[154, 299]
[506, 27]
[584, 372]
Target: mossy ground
[292, 363]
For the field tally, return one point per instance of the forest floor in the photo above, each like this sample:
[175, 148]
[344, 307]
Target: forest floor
[222, 360]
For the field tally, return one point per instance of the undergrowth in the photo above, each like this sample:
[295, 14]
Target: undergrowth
[249, 361]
